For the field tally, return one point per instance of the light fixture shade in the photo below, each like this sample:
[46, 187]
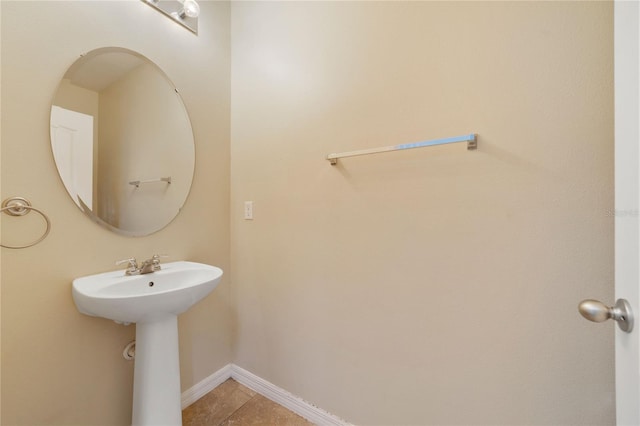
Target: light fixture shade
[191, 8]
[184, 12]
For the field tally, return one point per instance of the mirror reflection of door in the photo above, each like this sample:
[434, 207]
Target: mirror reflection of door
[72, 143]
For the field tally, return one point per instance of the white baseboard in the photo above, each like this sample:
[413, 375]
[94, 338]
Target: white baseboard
[205, 386]
[291, 402]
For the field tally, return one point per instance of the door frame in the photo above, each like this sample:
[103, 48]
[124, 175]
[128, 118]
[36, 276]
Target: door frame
[627, 207]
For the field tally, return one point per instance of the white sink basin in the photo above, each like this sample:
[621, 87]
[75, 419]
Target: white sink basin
[138, 298]
[152, 301]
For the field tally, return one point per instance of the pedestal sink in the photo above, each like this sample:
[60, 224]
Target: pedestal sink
[152, 301]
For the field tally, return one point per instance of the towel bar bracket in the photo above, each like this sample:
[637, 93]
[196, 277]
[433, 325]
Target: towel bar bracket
[473, 143]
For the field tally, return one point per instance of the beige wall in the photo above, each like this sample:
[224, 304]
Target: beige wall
[434, 286]
[60, 367]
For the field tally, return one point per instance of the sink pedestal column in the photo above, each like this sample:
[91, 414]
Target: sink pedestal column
[156, 377]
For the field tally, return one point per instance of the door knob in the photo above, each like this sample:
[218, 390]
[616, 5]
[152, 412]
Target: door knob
[596, 311]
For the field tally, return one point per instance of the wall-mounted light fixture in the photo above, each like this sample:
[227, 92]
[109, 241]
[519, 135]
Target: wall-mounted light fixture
[184, 12]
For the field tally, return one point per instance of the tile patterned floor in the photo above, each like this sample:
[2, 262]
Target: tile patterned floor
[232, 404]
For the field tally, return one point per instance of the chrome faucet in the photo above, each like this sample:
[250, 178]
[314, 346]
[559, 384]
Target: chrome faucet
[146, 267]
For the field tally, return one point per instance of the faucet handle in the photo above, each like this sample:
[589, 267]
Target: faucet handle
[131, 261]
[132, 266]
[155, 259]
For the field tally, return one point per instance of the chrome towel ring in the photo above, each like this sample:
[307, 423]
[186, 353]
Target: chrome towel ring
[18, 206]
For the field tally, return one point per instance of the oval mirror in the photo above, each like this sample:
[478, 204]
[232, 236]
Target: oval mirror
[122, 141]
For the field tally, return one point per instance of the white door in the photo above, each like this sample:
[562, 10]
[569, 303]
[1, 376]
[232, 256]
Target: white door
[72, 144]
[627, 208]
